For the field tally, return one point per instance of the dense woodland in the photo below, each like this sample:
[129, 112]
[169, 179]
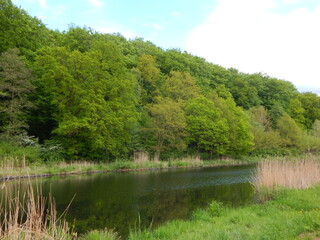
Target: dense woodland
[81, 94]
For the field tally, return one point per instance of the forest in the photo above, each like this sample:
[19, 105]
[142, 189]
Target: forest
[84, 95]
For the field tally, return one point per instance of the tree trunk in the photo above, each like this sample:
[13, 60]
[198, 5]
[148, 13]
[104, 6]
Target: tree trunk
[156, 157]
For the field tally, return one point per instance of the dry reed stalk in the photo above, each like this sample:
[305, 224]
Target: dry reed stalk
[76, 164]
[141, 157]
[13, 164]
[289, 174]
[190, 159]
[31, 217]
[193, 159]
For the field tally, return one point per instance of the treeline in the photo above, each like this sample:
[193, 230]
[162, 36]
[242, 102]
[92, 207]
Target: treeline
[81, 94]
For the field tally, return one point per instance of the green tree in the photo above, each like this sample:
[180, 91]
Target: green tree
[264, 136]
[276, 111]
[168, 125]
[15, 86]
[296, 111]
[94, 99]
[315, 131]
[272, 91]
[244, 95]
[19, 30]
[311, 104]
[150, 78]
[206, 127]
[180, 87]
[77, 38]
[289, 131]
[239, 133]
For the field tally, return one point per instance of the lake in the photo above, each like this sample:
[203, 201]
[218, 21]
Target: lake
[144, 199]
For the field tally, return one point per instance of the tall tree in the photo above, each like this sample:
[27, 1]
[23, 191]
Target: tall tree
[289, 131]
[244, 95]
[315, 131]
[149, 78]
[168, 125]
[15, 85]
[264, 136]
[239, 133]
[311, 104]
[19, 30]
[180, 87]
[206, 127]
[93, 96]
[296, 111]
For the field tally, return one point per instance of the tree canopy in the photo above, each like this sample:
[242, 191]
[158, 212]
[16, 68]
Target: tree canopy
[102, 96]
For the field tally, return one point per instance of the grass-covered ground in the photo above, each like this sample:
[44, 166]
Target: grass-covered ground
[291, 214]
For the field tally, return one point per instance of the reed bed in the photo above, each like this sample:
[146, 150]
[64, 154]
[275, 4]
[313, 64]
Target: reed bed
[295, 174]
[31, 216]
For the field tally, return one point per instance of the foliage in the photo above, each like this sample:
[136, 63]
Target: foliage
[15, 85]
[206, 128]
[311, 104]
[239, 134]
[100, 235]
[19, 30]
[149, 78]
[215, 209]
[103, 97]
[180, 87]
[31, 154]
[168, 125]
[88, 99]
[289, 131]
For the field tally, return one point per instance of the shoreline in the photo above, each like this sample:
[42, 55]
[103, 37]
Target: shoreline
[41, 175]
[84, 167]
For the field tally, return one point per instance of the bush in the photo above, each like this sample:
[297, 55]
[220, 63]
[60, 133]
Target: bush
[52, 151]
[13, 151]
[100, 235]
[122, 164]
[215, 209]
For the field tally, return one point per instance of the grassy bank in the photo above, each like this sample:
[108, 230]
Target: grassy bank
[291, 214]
[13, 167]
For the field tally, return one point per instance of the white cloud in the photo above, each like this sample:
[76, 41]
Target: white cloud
[59, 10]
[155, 26]
[250, 36]
[43, 4]
[96, 3]
[176, 14]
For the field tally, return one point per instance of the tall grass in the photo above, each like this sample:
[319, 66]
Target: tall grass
[105, 234]
[31, 216]
[289, 174]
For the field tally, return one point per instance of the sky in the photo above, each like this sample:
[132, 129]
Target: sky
[280, 38]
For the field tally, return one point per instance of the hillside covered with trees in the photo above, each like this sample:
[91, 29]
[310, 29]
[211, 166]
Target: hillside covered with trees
[81, 94]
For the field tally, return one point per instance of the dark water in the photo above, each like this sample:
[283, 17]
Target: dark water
[124, 201]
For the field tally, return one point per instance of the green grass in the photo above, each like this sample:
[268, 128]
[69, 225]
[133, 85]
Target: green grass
[292, 214]
[100, 235]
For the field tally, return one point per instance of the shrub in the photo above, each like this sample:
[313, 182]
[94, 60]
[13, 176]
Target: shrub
[30, 154]
[215, 209]
[100, 235]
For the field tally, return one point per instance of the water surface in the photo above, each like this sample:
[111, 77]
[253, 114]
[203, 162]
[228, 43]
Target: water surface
[124, 201]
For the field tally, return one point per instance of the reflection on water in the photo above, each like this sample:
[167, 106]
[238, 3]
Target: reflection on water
[118, 200]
